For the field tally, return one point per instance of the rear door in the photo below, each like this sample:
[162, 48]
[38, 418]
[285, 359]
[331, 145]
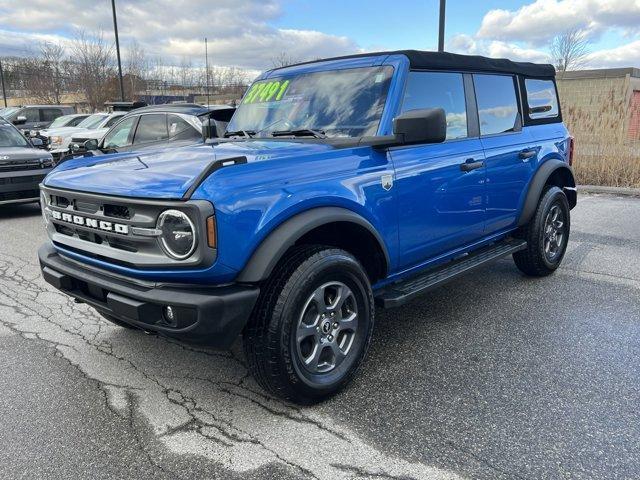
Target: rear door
[440, 187]
[508, 148]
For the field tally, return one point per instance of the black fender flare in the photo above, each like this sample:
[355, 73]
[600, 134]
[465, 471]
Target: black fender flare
[273, 247]
[545, 171]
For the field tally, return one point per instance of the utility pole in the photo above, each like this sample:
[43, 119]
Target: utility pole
[441, 29]
[115, 28]
[4, 93]
[206, 62]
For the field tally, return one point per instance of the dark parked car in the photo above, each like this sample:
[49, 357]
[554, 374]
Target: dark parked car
[34, 117]
[156, 126]
[22, 166]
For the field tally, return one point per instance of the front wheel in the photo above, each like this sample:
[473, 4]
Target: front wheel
[312, 325]
[547, 235]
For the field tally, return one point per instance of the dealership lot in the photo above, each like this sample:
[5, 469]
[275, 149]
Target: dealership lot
[494, 376]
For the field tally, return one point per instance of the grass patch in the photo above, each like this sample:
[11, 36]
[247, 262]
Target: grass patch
[610, 167]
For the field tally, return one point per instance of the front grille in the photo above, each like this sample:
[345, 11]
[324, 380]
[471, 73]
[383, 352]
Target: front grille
[21, 195]
[121, 231]
[19, 167]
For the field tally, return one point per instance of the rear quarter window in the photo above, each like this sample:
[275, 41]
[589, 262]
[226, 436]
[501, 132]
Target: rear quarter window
[541, 98]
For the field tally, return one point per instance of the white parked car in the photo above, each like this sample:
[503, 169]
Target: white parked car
[94, 126]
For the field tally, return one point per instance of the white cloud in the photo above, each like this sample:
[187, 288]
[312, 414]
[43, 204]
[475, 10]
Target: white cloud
[239, 32]
[469, 45]
[623, 56]
[539, 21]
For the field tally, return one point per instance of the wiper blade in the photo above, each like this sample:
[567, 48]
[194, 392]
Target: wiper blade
[302, 132]
[240, 133]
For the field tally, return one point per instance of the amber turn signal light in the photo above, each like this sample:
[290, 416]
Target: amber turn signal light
[211, 232]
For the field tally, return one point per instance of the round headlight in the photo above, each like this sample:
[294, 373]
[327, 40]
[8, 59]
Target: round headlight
[178, 236]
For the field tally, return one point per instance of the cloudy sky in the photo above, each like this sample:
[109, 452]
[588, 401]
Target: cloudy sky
[250, 33]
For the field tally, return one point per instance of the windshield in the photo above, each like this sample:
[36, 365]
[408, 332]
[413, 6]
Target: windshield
[92, 121]
[336, 103]
[7, 112]
[10, 137]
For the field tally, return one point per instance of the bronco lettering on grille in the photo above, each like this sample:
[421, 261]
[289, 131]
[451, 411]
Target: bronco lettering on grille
[91, 222]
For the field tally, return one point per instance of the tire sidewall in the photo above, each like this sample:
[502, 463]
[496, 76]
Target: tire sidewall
[553, 196]
[334, 267]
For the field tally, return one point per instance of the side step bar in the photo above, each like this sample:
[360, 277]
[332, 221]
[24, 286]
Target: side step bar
[399, 293]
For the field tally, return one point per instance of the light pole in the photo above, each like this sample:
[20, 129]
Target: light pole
[206, 62]
[4, 93]
[115, 28]
[441, 29]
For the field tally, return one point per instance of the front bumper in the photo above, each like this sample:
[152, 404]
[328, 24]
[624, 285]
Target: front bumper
[211, 316]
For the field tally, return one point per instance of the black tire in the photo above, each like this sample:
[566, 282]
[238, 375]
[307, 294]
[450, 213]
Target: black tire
[115, 321]
[275, 356]
[537, 259]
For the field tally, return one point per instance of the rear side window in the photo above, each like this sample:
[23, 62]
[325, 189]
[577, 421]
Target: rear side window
[180, 129]
[50, 114]
[151, 128]
[497, 103]
[439, 90]
[541, 98]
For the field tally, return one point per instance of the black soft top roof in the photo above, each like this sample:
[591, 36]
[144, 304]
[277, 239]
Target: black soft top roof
[453, 61]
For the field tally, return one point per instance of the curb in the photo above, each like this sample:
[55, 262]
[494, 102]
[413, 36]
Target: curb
[620, 191]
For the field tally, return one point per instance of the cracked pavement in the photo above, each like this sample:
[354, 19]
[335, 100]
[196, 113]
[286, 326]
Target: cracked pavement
[493, 376]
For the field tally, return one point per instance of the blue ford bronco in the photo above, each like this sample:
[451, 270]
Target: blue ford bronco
[339, 185]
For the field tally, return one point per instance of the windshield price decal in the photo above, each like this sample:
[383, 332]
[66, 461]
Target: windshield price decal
[266, 92]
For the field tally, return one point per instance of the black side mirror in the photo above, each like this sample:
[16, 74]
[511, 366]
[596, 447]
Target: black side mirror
[21, 120]
[37, 142]
[91, 144]
[427, 125]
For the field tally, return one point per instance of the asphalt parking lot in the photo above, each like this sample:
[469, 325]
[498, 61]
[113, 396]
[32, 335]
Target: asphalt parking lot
[494, 376]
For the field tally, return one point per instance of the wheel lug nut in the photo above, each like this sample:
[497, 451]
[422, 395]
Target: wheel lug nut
[335, 325]
[330, 337]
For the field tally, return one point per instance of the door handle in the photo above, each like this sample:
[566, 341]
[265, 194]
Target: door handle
[528, 153]
[471, 164]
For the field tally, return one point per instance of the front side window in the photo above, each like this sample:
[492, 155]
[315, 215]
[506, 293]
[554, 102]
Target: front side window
[338, 103]
[121, 135]
[542, 98]
[497, 103]
[10, 137]
[50, 114]
[32, 115]
[439, 90]
[151, 128]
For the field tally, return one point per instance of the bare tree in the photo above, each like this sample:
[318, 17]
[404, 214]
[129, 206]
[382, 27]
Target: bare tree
[185, 72]
[569, 49]
[283, 59]
[44, 75]
[135, 68]
[94, 68]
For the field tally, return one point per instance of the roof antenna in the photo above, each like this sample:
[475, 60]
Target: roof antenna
[441, 30]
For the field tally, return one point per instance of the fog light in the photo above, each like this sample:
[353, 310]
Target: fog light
[170, 316]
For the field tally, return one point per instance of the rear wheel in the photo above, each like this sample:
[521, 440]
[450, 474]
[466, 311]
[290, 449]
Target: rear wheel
[312, 325]
[547, 235]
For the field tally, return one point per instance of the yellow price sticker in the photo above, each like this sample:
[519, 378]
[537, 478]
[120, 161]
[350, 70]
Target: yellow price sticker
[266, 92]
